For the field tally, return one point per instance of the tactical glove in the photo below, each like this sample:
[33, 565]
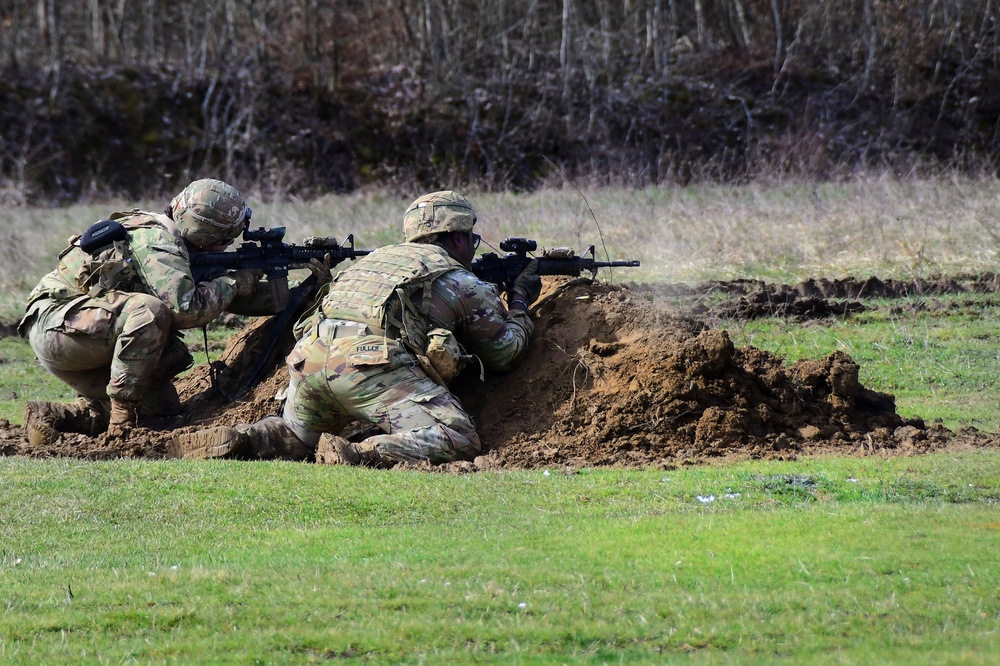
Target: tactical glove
[246, 280]
[528, 285]
[321, 270]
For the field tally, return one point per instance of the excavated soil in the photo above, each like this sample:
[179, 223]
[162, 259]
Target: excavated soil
[615, 376]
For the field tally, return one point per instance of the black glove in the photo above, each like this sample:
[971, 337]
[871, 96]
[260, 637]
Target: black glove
[321, 269]
[528, 285]
[246, 280]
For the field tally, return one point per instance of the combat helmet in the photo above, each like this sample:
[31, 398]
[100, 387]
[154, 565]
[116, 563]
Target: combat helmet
[209, 211]
[437, 212]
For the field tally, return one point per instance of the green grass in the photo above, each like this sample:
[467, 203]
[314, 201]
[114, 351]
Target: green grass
[939, 356]
[822, 561]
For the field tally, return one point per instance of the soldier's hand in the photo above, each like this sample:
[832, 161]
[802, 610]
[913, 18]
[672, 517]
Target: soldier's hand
[246, 280]
[528, 285]
[321, 270]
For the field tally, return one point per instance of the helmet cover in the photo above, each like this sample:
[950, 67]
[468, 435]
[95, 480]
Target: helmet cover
[437, 212]
[209, 211]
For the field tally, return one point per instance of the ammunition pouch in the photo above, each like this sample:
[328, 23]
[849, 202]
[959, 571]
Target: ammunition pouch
[444, 357]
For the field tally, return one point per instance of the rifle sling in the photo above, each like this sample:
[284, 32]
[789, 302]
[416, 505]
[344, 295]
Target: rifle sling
[277, 325]
[213, 371]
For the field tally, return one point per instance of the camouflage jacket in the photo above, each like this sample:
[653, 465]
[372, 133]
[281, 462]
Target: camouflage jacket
[152, 260]
[458, 301]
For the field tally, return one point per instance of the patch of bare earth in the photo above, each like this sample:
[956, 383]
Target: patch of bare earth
[612, 378]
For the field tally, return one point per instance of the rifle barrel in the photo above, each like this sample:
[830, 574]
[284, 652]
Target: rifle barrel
[628, 263]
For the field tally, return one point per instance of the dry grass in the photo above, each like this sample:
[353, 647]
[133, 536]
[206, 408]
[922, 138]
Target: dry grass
[872, 226]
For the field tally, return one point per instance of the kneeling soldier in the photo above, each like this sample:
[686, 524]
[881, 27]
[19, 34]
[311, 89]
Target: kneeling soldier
[107, 321]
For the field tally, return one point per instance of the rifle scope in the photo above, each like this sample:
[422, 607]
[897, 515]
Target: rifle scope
[263, 235]
[519, 245]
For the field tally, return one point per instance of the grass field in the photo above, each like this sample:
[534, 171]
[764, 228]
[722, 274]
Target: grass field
[833, 561]
[820, 561]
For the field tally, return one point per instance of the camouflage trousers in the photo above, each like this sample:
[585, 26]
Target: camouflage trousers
[338, 376]
[119, 345]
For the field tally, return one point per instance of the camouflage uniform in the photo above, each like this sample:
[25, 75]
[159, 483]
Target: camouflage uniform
[346, 367]
[108, 325]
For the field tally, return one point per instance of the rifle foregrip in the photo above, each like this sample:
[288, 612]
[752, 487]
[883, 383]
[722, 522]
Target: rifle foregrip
[301, 255]
[548, 266]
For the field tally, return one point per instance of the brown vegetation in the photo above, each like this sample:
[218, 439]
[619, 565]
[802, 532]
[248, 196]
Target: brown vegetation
[310, 96]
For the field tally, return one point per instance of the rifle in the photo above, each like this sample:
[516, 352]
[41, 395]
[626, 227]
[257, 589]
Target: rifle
[503, 271]
[265, 249]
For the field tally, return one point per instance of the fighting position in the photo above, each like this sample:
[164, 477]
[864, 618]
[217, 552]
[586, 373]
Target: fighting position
[381, 344]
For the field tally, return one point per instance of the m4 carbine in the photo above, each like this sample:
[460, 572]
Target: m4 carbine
[503, 271]
[265, 250]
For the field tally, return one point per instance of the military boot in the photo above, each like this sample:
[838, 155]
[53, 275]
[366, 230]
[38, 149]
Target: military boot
[124, 416]
[160, 409]
[217, 442]
[272, 439]
[161, 400]
[45, 420]
[268, 439]
[335, 450]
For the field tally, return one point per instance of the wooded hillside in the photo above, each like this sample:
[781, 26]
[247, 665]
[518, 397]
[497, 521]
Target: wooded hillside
[308, 96]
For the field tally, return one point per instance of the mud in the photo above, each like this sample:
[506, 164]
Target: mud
[615, 377]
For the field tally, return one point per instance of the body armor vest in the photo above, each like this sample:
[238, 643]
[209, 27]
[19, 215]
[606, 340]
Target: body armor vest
[391, 290]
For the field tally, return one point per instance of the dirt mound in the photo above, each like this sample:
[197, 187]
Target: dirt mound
[612, 378]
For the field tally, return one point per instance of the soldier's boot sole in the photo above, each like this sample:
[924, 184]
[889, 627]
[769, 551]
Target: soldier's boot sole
[335, 450]
[217, 442]
[45, 421]
[39, 424]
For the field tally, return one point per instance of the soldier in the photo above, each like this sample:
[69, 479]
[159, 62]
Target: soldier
[381, 345]
[109, 324]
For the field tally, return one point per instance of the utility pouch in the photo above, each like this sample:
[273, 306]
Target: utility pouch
[100, 235]
[444, 355]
